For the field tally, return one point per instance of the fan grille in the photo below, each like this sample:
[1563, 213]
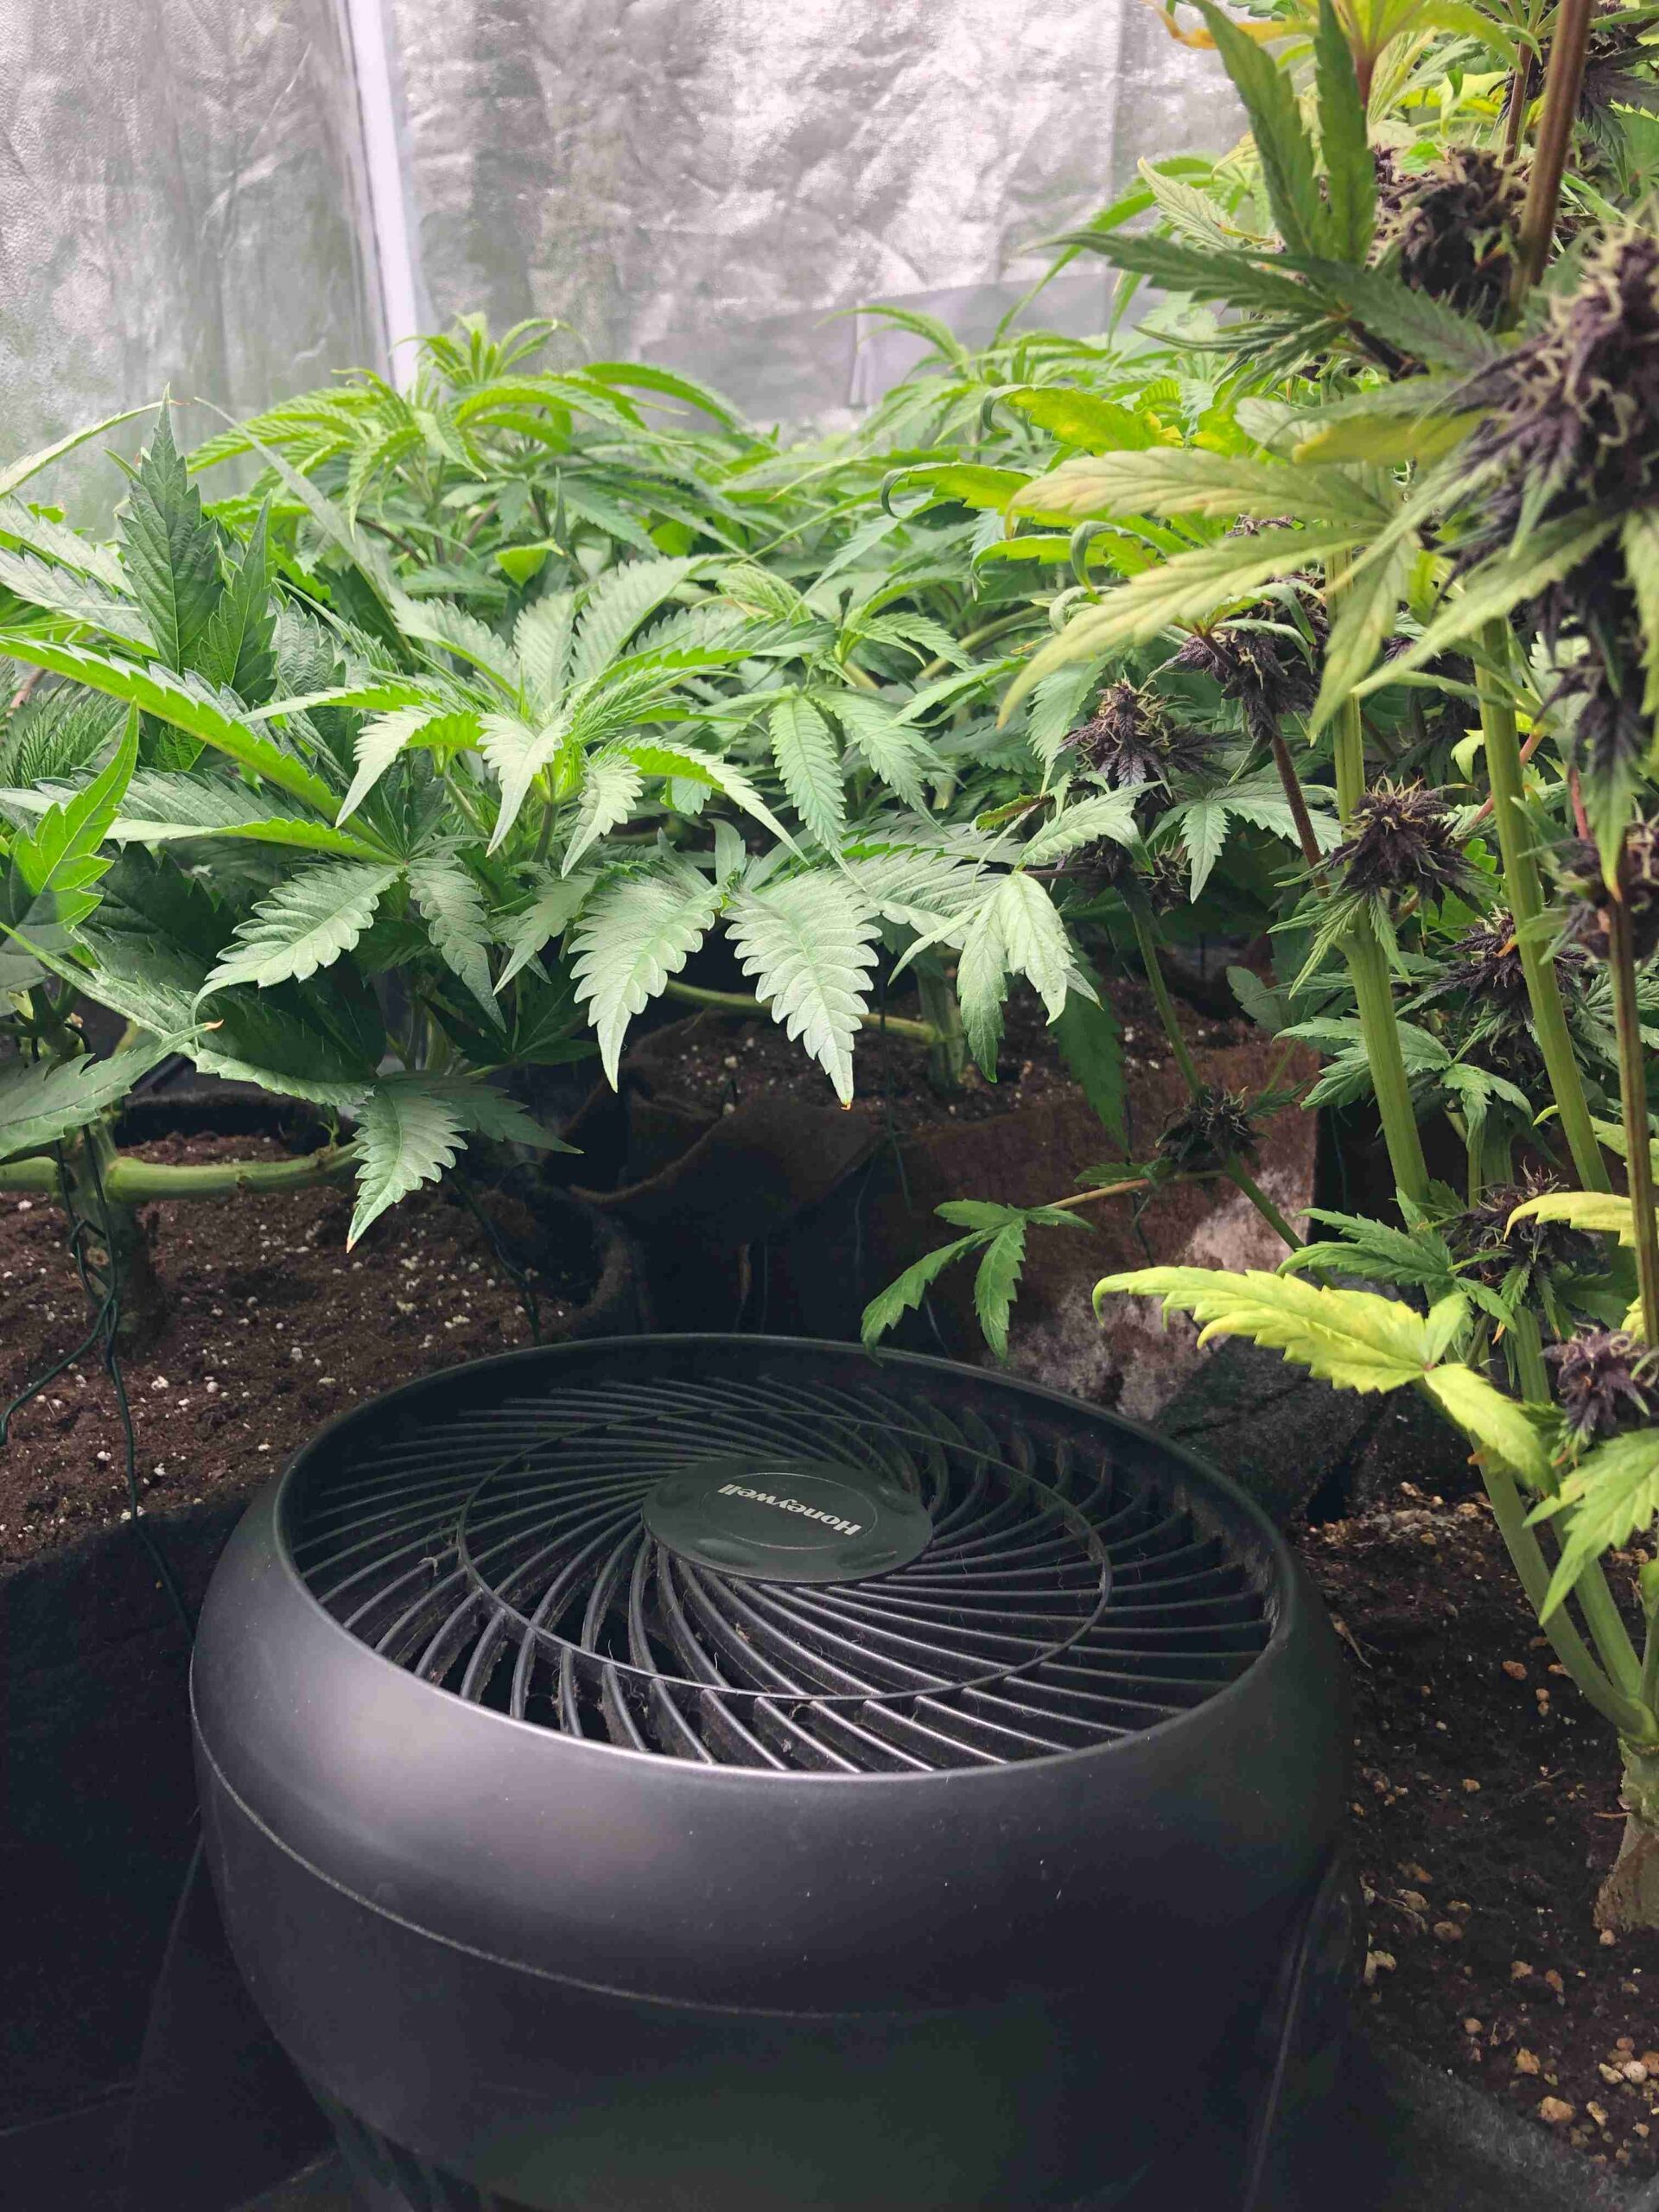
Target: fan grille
[1071, 1594]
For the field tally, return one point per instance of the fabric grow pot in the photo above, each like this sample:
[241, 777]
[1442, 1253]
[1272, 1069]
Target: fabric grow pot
[740, 1773]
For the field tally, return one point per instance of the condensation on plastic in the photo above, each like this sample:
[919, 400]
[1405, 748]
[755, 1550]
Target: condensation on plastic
[706, 181]
[181, 203]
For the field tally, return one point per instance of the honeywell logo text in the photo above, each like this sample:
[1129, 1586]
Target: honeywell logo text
[792, 1505]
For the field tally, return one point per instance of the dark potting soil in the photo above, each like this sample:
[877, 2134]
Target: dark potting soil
[268, 1327]
[722, 1064]
[1484, 1815]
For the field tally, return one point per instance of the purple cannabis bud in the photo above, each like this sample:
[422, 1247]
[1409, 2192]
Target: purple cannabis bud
[1215, 1128]
[1132, 739]
[1400, 840]
[1574, 409]
[1485, 962]
[1589, 920]
[1450, 228]
[1604, 1379]
[1483, 1239]
[1158, 877]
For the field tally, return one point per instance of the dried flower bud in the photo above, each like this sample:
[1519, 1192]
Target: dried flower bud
[1131, 739]
[1604, 1379]
[1215, 1128]
[1452, 227]
[1483, 1238]
[1400, 840]
[1589, 915]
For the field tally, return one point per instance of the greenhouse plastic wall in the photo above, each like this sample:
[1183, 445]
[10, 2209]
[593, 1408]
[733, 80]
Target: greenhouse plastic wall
[235, 197]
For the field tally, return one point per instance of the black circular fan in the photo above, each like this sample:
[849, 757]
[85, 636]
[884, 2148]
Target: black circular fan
[741, 1773]
[789, 1572]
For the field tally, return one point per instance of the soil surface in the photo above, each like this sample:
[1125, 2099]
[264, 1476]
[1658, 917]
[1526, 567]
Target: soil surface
[1485, 1816]
[719, 1065]
[269, 1327]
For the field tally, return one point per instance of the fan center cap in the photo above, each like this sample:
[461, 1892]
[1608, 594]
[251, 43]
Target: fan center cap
[787, 1521]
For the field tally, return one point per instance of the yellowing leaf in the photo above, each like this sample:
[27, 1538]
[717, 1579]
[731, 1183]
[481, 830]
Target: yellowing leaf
[1351, 1339]
[1492, 1422]
[1593, 1210]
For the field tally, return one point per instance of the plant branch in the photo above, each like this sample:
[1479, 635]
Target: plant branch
[1632, 1086]
[737, 1003]
[1373, 991]
[1527, 1556]
[1526, 894]
[1563, 83]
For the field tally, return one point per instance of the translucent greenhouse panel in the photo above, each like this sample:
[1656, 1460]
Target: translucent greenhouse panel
[703, 180]
[182, 206]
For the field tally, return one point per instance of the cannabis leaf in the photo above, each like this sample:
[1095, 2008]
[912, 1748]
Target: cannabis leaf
[171, 549]
[810, 945]
[305, 924]
[636, 933]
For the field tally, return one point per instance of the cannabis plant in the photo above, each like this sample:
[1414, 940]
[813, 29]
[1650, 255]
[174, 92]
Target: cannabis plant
[1429, 580]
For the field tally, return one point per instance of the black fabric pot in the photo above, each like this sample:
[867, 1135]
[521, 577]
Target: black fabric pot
[97, 1826]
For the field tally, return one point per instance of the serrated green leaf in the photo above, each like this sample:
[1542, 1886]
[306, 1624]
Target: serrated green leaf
[1102, 814]
[909, 1289]
[453, 906]
[550, 913]
[611, 783]
[615, 607]
[805, 755]
[1285, 149]
[189, 702]
[633, 935]
[1365, 614]
[1191, 480]
[1496, 587]
[541, 639]
[54, 866]
[1612, 1495]
[1598, 1210]
[43, 1103]
[1190, 589]
[1351, 173]
[996, 1280]
[171, 549]
[306, 923]
[19, 472]
[77, 599]
[380, 740]
[897, 751]
[407, 1135]
[1639, 536]
[810, 942]
[968, 484]
[1078, 418]
[236, 643]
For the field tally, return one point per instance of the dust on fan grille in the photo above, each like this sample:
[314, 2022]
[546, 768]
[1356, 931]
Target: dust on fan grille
[1063, 1601]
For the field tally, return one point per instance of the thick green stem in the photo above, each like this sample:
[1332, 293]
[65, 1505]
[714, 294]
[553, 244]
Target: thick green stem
[1633, 1095]
[29, 1175]
[1373, 992]
[1242, 1180]
[1525, 895]
[947, 1060]
[1628, 1716]
[136, 1182]
[736, 1002]
[1146, 944]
